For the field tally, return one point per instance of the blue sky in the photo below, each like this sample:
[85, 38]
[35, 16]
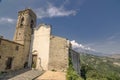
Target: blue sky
[91, 23]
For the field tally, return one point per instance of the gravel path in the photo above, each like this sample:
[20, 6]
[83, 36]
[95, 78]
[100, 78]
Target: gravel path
[51, 75]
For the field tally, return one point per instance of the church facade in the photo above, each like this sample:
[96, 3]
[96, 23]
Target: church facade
[36, 47]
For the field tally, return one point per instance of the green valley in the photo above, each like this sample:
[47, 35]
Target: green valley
[99, 67]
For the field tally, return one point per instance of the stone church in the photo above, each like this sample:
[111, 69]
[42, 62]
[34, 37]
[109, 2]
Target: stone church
[35, 46]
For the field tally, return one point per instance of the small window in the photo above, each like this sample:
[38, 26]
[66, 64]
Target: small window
[9, 63]
[32, 23]
[19, 33]
[0, 41]
[17, 48]
[22, 20]
[0, 57]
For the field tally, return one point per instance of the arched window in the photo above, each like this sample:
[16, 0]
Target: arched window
[32, 23]
[22, 20]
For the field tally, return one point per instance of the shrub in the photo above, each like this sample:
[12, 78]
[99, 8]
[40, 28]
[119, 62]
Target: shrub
[71, 73]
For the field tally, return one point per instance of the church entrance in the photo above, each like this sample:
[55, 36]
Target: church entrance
[34, 60]
[9, 63]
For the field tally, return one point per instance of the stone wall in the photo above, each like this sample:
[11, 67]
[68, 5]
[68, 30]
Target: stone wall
[58, 57]
[75, 58]
[41, 43]
[10, 49]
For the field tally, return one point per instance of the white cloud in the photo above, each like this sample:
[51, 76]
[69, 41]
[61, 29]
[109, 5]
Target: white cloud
[4, 20]
[52, 11]
[78, 46]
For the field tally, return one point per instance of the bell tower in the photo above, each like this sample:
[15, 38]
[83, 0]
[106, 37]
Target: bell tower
[24, 29]
[25, 24]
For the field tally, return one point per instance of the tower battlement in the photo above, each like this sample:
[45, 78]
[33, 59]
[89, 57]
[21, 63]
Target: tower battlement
[27, 11]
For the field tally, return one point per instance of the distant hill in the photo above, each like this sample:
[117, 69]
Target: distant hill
[99, 67]
[117, 56]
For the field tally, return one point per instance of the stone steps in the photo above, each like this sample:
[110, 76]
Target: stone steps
[29, 75]
[24, 75]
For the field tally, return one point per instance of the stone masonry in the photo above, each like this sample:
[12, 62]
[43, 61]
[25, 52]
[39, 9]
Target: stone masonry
[36, 47]
[59, 51]
[14, 54]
